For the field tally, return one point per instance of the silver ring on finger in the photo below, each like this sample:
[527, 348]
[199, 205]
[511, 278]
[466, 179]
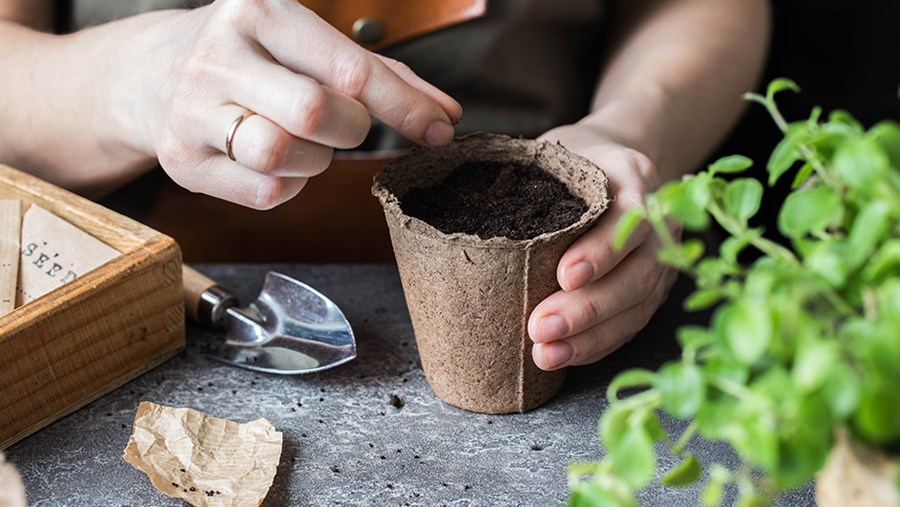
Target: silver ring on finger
[232, 129]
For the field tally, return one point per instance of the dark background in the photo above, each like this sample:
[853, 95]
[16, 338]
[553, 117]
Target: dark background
[842, 54]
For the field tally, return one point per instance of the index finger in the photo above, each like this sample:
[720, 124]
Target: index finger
[303, 42]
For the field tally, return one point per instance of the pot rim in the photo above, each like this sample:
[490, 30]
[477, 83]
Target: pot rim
[391, 202]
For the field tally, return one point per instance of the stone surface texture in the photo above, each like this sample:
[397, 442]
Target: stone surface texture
[344, 442]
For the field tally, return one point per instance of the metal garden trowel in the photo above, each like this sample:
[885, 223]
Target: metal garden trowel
[291, 328]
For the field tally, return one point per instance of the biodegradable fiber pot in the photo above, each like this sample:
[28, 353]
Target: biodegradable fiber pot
[470, 298]
[858, 476]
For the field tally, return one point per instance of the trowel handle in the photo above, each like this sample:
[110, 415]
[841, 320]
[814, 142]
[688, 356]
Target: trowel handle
[205, 301]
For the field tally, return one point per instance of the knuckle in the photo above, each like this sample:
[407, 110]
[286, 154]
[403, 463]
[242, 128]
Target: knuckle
[270, 150]
[269, 193]
[351, 73]
[645, 167]
[644, 228]
[397, 66]
[310, 110]
[240, 11]
[591, 312]
[171, 149]
[649, 276]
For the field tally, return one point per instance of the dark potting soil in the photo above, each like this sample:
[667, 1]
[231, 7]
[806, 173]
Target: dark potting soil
[494, 199]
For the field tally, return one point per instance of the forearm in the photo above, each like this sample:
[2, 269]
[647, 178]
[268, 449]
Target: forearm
[673, 83]
[37, 14]
[65, 107]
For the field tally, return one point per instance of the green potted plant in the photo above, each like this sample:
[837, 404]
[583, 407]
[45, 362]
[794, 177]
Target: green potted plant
[799, 368]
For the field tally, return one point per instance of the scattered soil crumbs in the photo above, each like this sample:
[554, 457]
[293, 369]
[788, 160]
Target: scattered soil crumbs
[536, 447]
[492, 199]
[396, 402]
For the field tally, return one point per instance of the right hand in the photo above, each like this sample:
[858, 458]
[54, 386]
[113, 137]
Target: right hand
[312, 90]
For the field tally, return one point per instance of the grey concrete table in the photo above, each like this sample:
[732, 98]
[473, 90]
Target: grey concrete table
[344, 443]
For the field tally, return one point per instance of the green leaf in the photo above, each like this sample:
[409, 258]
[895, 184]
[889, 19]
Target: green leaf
[802, 175]
[780, 84]
[713, 491]
[579, 469]
[635, 377]
[883, 262]
[702, 299]
[870, 225]
[839, 116]
[710, 271]
[693, 337]
[732, 247]
[730, 164]
[877, 419]
[806, 426]
[687, 472]
[841, 390]
[593, 494]
[683, 204]
[634, 459]
[682, 388]
[626, 226]
[812, 364]
[691, 251]
[613, 423]
[887, 135]
[746, 328]
[742, 198]
[604, 490]
[830, 261]
[861, 163]
[888, 297]
[653, 426]
[783, 156]
[754, 437]
[808, 210]
[752, 499]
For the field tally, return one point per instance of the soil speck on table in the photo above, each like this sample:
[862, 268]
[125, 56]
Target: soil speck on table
[396, 402]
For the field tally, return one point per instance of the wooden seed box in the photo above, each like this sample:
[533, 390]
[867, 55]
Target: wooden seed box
[94, 334]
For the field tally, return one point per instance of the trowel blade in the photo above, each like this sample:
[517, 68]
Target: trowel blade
[291, 328]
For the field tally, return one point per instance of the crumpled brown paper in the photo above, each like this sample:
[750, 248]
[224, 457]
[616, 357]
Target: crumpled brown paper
[204, 460]
[12, 491]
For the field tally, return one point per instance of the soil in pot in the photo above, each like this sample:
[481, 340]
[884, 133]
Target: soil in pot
[495, 199]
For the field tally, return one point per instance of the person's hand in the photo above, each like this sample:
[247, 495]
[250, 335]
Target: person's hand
[607, 295]
[311, 89]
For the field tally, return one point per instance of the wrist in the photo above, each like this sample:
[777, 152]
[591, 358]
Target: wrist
[635, 121]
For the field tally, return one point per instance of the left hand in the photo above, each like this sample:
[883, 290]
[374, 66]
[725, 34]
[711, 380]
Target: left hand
[607, 295]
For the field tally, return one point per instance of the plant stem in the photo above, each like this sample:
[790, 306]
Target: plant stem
[732, 388]
[762, 244]
[804, 150]
[678, 448]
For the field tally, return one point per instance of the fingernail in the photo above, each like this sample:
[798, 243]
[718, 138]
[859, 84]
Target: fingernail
[556, 355]
[577, 275]
[439, 133]
[458, 118]
[550, 328]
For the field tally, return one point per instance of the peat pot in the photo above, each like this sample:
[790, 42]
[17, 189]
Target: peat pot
[469, 298]
[857, 476]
